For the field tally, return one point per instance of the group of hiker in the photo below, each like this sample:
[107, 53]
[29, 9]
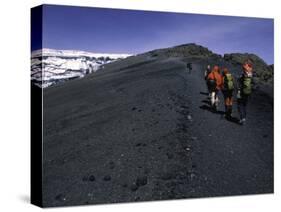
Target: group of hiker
[221, 79]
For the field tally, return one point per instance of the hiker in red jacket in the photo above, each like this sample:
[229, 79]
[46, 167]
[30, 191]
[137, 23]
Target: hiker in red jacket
[215, 83]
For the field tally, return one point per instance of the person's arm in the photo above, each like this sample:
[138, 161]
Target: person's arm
[234, 81]
[210, 76]
[254, 81]
[222, 82]
[239, 86]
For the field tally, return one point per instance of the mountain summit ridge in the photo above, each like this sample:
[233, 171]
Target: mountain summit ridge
[51, 66]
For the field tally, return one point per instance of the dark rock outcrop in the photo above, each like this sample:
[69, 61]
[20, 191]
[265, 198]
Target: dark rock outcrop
[263, 71]
[191, 50]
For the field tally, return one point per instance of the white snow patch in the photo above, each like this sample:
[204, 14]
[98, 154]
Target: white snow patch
[50, 66]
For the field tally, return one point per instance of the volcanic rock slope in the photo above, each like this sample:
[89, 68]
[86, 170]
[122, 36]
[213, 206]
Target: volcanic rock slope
[141, 129]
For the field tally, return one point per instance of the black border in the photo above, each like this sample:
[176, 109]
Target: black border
[36, 115]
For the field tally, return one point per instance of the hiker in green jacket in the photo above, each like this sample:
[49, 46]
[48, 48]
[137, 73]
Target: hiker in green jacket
[244, 90]
[227, 90]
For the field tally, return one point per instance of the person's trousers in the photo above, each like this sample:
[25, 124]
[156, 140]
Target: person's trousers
[228, 102]
[214, 98]
[242, 106]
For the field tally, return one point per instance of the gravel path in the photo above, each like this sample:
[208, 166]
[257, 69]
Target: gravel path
[144, 132]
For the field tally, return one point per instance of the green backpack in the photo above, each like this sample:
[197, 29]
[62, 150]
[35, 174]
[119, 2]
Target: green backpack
[247, 85]
[228, 82]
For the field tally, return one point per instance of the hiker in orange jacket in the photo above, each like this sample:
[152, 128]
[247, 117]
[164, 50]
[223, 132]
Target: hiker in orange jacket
[215, 82]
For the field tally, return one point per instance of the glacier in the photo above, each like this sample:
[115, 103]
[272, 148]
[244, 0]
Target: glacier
[51, 66]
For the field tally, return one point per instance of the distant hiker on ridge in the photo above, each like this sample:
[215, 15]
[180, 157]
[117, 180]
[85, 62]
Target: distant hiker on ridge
[227, 90]
[244, 89]
[215, 82]
[206, 73]
[189, 67]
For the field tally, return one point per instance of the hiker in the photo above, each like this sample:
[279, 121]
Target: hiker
[189, 67]
[244, 89]
[215, 84]
[206, 73]
[227, 90]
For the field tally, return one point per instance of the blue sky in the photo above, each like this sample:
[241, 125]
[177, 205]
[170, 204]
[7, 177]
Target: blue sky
[130, 31]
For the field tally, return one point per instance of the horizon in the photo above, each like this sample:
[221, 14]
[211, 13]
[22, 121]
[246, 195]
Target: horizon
[120, 31]
[78, 50]
[91, 52]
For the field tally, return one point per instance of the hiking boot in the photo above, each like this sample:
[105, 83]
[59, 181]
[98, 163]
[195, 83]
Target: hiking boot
[213, 106]
[229, 111]
[228, 116]
[242, 121]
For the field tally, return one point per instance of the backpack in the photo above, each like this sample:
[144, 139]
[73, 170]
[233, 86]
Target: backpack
[247, 85]
[228, 82]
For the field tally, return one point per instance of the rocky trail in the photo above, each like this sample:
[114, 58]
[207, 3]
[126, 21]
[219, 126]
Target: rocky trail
[231, 159]
[145, 132]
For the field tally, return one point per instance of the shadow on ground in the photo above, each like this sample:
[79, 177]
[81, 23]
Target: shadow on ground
[24, 198]
[210, 109]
